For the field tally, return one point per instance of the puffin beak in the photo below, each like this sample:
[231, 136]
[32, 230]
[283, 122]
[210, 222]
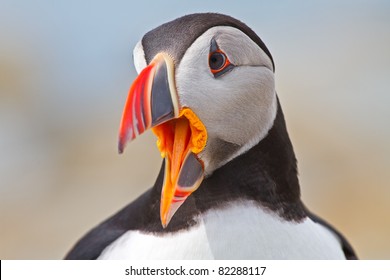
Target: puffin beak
[153, 103]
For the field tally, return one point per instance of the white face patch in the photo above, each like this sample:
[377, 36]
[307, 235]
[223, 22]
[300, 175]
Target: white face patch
[139, 57]
[238, 107]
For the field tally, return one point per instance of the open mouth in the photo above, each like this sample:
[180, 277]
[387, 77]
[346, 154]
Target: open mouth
[180, 141]
[153, 103]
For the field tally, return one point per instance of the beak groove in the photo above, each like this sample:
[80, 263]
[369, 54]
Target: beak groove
[190, 177]
[153, 102]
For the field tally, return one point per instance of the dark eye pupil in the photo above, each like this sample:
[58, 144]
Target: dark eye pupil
[217, 60]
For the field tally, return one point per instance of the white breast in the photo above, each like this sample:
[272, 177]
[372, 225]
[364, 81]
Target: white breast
[240, 231]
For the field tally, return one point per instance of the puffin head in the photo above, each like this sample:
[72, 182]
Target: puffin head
[206, 89]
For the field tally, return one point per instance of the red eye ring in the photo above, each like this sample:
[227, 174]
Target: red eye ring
[219, 63]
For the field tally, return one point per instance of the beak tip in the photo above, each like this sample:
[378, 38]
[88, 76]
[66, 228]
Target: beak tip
[166, 216]
[165, 222]
[121, 147]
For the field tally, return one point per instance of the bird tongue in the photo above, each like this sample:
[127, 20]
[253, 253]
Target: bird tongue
[179, 141]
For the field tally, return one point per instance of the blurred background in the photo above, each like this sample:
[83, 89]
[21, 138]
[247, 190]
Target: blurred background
[65, 70]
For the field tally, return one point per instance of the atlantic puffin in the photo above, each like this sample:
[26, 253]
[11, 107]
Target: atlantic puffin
[228, 186]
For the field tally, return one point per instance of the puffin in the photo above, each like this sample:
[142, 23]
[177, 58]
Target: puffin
[228, 186]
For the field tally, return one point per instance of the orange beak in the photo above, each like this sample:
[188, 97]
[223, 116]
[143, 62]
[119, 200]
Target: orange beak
[153, 103]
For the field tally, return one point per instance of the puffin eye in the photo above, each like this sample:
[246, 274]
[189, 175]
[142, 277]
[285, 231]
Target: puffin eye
[217, 60]
[219, 63]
